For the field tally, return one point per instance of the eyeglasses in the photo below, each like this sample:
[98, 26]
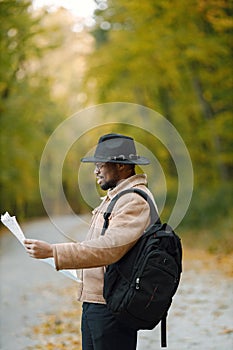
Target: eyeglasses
[99, 166]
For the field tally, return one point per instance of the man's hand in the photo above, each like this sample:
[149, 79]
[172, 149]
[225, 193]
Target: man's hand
[38, 249]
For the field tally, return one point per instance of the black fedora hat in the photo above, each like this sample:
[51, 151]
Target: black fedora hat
[116, 148]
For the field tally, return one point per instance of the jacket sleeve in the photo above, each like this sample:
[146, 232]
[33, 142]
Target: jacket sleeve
[130, 217]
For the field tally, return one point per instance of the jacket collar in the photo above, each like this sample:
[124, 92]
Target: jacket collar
[135, 180]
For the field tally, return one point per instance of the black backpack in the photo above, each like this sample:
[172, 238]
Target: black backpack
[139, 287]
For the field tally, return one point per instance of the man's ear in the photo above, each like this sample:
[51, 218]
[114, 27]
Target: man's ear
[120, 166]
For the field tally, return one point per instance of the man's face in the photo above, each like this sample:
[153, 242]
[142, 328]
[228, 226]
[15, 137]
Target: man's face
[107, 175]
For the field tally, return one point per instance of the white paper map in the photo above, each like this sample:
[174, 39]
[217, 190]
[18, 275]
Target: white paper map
[11, 223]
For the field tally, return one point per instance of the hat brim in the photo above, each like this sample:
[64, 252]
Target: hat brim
[138, 161]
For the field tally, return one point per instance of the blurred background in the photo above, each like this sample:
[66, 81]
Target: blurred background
[174, 57]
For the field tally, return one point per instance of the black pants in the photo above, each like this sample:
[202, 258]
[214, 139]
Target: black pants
[101, 331]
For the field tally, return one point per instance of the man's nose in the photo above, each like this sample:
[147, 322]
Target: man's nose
[96, 170]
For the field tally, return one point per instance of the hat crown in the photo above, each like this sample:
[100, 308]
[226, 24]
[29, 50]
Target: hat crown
[115, 146]
[112, 136]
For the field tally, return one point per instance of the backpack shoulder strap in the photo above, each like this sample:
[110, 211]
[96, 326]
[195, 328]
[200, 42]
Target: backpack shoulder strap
[143, 194]
[164, 332]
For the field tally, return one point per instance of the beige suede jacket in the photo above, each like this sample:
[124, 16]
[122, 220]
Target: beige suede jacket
[130, 217]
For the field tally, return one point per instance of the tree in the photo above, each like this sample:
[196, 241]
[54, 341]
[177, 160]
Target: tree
[175, 57]
[42, 64]
[28, 113]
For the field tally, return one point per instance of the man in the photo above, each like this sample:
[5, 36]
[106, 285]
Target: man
[115, 159]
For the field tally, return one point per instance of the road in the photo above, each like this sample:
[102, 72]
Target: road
[200, 317]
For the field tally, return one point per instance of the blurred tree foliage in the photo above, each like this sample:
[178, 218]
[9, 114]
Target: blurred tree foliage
[176, 58]
[29, 112]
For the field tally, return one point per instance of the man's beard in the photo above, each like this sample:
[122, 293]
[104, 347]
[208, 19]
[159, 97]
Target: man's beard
[109, 184]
